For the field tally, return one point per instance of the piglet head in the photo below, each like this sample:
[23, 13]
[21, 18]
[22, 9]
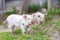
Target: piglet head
[30, 19]
[39, 17]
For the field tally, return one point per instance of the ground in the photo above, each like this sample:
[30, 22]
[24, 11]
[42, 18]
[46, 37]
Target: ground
[47, 31]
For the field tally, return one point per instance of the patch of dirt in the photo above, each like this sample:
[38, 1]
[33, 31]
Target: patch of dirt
[54, 35]
[56, 18]
[3, 29]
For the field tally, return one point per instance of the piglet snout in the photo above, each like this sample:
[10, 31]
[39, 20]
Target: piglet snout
[42, 21]
[32, 22]
[27, 26]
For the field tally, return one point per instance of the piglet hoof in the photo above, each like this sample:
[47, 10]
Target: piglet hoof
[29, 32]
[24, 33]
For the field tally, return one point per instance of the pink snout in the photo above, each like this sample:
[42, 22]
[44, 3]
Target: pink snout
[27, 26]
[42, 20]
[32, 22]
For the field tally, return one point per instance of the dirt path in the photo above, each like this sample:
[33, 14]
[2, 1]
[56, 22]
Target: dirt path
[2, 29]
[55, 34]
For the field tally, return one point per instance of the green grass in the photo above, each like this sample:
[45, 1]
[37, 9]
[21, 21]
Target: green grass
[57, 25]
[14, 11]
[1, 23]
[33, 8]
[51, 13]
[6, 36]
[35, 35]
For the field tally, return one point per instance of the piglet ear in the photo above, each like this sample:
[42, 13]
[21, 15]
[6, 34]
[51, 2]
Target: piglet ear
[24, 16]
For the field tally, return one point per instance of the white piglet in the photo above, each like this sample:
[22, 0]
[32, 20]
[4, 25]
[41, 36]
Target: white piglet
[18, 21]
[39, 17]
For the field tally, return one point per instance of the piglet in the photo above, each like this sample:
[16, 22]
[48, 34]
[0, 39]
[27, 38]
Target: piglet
[39, 17]
[21, 21]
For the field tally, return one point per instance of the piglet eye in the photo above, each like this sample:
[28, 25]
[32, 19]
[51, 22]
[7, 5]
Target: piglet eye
[28, 18]
[22, 23]
[38, 15]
